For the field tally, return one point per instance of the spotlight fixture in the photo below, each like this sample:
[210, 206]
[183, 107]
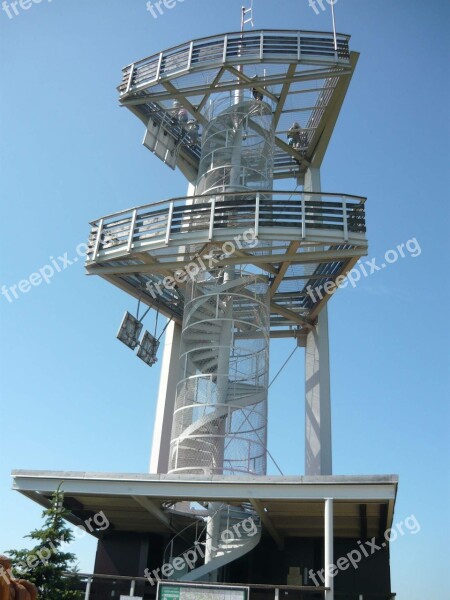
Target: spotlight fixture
[129, 331]
[148, 349]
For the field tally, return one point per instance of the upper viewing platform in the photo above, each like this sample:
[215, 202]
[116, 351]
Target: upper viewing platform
[299, 73]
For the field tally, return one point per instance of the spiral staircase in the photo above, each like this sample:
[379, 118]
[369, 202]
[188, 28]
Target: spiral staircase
[233, 540]
[221, 396]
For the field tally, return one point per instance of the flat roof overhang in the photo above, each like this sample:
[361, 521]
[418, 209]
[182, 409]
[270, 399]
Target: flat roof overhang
[288, 506]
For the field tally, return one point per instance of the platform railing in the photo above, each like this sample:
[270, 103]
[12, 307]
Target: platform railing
[244, 47]
[104, 587]
[113, 586]
[264, 212]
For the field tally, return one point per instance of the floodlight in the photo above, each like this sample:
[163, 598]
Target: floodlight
[148, 349]
[162, 142]
[129, 331]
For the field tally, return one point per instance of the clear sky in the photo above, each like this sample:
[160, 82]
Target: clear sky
[74, 398]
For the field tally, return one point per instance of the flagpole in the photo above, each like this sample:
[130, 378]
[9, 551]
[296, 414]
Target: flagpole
[334, 25]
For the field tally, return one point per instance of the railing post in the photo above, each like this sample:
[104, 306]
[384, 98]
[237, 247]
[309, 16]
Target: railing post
[303, 217]
[344, 210]
[87, 595]
[130, 79]
[225, 48]
[158, 70]
[211, 219]
[132, 226]
[133, 588]
[258, 199]
[98, 240]
[277, 594]
[169, 223]
[191, 52]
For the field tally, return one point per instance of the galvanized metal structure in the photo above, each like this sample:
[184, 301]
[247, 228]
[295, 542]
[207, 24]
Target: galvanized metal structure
[236, 261]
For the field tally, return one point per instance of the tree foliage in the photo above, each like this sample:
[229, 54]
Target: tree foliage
[48, 562]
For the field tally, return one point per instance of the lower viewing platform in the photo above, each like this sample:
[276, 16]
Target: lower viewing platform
[144, 536]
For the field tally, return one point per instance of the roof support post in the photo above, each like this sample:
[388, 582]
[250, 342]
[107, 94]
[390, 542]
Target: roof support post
[329, 550]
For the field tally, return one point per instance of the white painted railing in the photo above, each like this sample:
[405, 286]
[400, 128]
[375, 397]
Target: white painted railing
[247, 47]
[210, 215]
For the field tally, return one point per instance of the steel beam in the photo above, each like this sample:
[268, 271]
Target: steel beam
[297, 258]
[265, 518]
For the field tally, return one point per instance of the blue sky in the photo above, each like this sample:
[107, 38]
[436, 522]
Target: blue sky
[73, 398]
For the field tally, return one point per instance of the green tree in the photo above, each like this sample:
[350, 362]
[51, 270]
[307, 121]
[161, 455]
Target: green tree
[46, 564]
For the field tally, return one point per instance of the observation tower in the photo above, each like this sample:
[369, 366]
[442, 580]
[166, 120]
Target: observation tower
[247, 255]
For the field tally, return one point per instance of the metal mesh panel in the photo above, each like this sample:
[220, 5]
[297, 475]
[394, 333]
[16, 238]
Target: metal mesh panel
[220, 420]
[237, 149]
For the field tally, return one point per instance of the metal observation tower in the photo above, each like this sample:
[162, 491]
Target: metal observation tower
[245, 256]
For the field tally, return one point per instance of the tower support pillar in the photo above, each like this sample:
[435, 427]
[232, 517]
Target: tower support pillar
[318, 451]
[159, 462]
[165, 405]
[318, 400]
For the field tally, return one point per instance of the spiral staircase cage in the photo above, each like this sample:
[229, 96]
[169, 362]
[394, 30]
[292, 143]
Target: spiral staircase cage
[220, 419]
[238, 149]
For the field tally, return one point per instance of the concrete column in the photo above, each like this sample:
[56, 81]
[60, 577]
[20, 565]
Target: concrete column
[312, 181]
[318, 449]
[329, 550]
[318, 401]
[159, 462]
[162, 431]
[213, 533]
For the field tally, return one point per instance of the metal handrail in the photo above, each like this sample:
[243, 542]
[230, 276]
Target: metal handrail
[221, 48]
[140, 207]
[250, 209]
[88, 579]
